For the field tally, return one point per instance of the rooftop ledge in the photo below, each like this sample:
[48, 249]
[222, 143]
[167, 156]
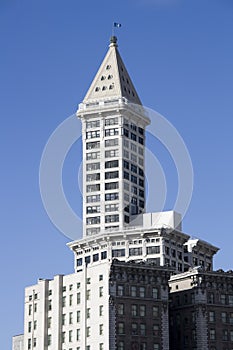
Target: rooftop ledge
[113, 103]
[129, 233]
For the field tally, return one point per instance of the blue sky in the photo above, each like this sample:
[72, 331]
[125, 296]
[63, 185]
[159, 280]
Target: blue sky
[180, 56]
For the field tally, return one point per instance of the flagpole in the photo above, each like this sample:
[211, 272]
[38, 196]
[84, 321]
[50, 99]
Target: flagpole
[115, 25]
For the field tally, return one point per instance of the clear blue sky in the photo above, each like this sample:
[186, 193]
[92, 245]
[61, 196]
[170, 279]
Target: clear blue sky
[180, 56]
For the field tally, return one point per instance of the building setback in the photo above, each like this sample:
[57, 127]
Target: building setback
[128, 260]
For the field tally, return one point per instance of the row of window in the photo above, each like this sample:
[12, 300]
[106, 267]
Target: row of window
[96, 219]
[139, 292]
[133, 127]
[133, 179]
[112, 197]
[138, 310]
[78, 295]
[113, 142]
[133, 136]
[139, 346]
[33, 342]
[96, 208]
[78, 334]
[115, 164]
[225, 317]
[226, 335]
[133, 147]
[114, 121]
[95, 257]
[138, 329]
[133, 168]
[114, 132]
[133, 157]
[223, 299]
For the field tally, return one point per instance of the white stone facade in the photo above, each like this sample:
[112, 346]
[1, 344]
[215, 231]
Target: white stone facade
[69, 311]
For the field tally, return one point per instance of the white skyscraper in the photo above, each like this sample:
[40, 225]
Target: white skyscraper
[113, 133]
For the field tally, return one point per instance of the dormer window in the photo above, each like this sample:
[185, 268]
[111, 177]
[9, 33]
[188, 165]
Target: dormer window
[103, 77]
[108, 66]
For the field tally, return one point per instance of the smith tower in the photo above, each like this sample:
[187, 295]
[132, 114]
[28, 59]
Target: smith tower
[113, 134]
[118, 296]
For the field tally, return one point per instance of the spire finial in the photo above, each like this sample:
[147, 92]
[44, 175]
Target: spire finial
[113, 41]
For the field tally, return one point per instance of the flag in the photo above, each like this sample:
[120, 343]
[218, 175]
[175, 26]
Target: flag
[116, 25]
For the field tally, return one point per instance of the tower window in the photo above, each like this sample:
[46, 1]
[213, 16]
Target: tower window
[133, 137]
[103, 255]
[92, 155]
[141, 172]
[93, 124]
[92, 166]
[111, 186]
[93, 198]
[93, 177]
[111, 121]
[93, 188]
[133, 127]
[92, 134]
[111, 196]
[118, 253]
[134, 168]
[126, 132]
[111, 164]
[135, 251]
[133, 147]
[93, 220]
[111, 218]
[91, 145]
[93, 209]
[111, 207]
[141, 131]
[95, 257]
[111, 132]
[134, 179]
[112, 153]
[126, 175]
[111, 175]
[126, 164]
[111, 142]
[140, 140]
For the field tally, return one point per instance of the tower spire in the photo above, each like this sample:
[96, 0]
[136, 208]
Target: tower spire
[112, 80]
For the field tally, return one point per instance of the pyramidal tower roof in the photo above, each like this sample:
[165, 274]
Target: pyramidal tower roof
[112, 79]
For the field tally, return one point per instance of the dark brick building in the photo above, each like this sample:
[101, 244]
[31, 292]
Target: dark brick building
[201, 310]
[139, 298]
